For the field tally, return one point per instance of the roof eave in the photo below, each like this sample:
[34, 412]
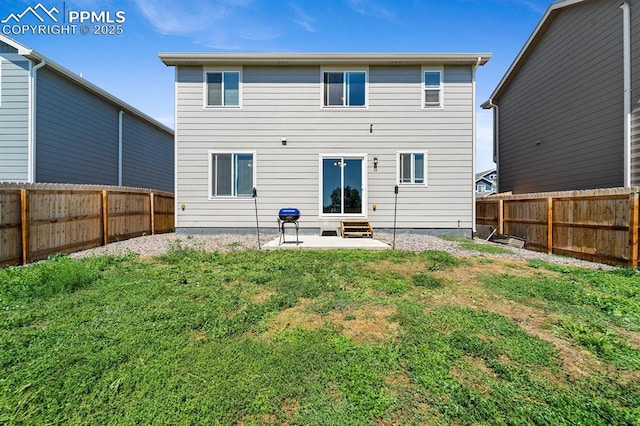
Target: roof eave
[553, 7]
[290, 59]
[35, 56]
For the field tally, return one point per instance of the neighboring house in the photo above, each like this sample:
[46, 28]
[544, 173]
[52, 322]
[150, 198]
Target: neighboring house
[329, 134]
[56, 127]
[486, 182]
[566, 113]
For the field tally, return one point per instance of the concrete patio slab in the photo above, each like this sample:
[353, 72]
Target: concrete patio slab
[318, 242]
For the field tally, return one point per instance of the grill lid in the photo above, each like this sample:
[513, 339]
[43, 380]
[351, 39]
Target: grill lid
[289, 213]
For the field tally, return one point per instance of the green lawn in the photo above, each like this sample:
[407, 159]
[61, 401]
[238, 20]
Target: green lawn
[317, 338]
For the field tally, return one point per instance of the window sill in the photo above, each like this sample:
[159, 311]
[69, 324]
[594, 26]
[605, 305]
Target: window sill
[342, 216]
[230, 198]
[344, 107]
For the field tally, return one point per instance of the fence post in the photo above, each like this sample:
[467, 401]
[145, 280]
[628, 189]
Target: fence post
[24, 231]
[634, 222]
[105, 218]
[550, 225]
[153, 213]
[500, 217]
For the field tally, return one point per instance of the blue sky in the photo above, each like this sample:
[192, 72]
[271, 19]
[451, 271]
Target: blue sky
[127, 65]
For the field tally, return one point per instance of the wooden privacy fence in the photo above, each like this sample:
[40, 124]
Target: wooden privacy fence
[599, 228]
[37, 221]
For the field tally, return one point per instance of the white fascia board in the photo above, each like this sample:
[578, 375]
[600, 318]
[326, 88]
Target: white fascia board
[338, 59]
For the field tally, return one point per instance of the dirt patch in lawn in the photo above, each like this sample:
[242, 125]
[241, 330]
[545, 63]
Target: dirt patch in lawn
[465, 289]
[367, 324]
[406, 269]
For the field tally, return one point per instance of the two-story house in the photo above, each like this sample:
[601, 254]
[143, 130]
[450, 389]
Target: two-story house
[57, 127]
[486, 182]
[567, 112]
[329, 134]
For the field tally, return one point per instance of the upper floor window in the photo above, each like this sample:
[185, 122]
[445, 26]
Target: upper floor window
[345, 88]
[222, 88]
[412, 168]
[432, 88]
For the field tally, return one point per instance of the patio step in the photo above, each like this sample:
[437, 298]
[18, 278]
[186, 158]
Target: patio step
[356, 229]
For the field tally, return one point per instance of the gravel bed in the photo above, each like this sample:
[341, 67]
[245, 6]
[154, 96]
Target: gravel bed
[155, 245]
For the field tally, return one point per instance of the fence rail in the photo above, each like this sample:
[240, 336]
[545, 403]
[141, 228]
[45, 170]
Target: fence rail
[37, 221]
[600, 228]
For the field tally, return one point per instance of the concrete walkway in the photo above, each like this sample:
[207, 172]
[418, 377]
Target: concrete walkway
[318, 242]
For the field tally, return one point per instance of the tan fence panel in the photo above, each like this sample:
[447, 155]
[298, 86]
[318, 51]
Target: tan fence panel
[129, 215]
[38, 220]
[487, 212]
[10, 228]
[592, 228]
[600, 225]
[528, 219]
[164, 211]
[63, 221]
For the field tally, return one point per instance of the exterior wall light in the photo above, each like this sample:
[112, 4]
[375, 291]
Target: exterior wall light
[375, 164]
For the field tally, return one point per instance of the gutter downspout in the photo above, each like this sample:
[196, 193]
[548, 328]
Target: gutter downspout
[496, 141]
[473, 146]
[120, 114]
[626, 34]
[31, 167]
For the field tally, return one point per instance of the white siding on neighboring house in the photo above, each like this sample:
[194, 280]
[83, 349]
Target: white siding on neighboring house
[285, 102]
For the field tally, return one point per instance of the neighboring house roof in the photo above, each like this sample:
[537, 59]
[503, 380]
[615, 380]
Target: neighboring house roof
[173, 59]
[484, 174]
[29, 53]
[540, 29]
[485, 181]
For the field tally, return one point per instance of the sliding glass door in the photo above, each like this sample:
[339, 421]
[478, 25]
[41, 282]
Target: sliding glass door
[342, 185]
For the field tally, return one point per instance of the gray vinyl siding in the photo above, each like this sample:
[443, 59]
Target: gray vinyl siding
[561, 117]
[76, 133]
[14, 119]
[5, 48]
[147, 155]
[635, 92]
[282, 102]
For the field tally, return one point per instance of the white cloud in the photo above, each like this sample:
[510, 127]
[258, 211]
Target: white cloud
[538, 7]
[303, 19]
[209, 23]
[169, 17]
[370, 8]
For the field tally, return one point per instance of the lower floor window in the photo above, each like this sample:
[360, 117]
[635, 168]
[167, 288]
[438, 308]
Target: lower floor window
[412, 167]
[232, 174]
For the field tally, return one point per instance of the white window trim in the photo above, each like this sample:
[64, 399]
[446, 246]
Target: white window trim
[413, 168]
[222, 70]
[1, 62]
[423, 88]
[210, 171]
[365, 204]
[343, 70]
